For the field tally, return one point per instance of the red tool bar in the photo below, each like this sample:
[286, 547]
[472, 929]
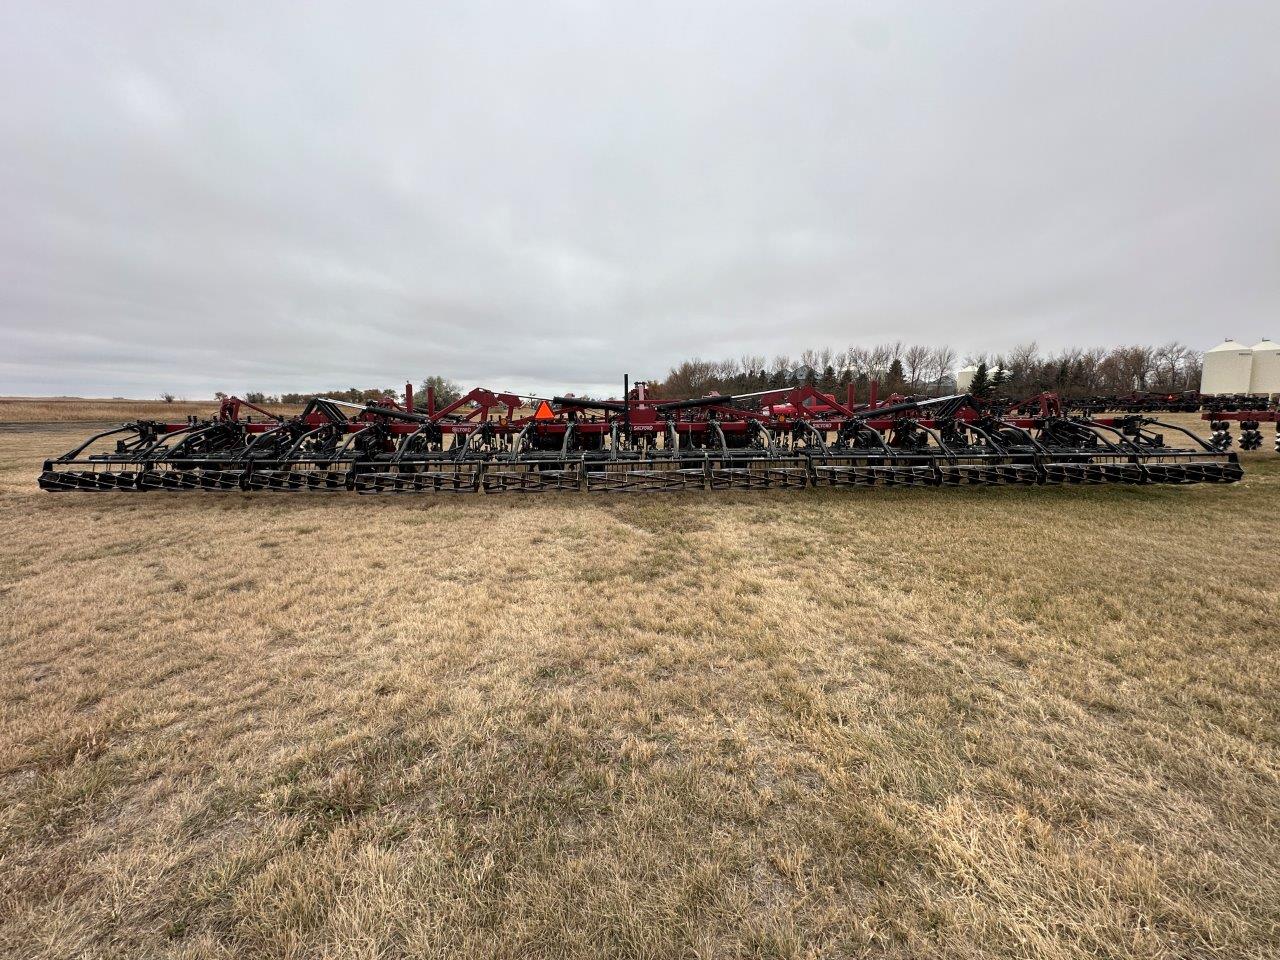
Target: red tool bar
[1236, 416]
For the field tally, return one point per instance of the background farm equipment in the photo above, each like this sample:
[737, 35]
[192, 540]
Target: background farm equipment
[497, 442]
[1250, 421]
[1185, 402]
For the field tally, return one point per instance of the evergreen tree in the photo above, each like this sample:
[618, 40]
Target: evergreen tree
[980, 386]
[894, 379]
[827, 382]
[1063, 378]
[999, 379]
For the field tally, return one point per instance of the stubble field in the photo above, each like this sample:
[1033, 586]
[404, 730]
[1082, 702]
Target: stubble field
[50, 410]
[903, 723]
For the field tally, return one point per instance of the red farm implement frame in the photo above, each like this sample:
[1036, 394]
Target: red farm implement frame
[488, 441]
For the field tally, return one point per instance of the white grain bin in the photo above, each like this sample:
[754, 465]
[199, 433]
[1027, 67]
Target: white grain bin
[1227, 368]
[1265, 375]
[964, 378]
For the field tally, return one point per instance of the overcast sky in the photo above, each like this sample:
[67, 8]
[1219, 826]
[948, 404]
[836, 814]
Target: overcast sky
[201, 196]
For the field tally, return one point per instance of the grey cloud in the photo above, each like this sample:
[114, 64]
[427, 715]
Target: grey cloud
[543, 196]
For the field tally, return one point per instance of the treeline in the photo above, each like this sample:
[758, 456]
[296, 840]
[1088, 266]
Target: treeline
[899, 368]
[918, 369]
[351, 395]
[446, 392]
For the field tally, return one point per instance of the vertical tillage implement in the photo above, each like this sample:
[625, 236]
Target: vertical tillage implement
[494, 442]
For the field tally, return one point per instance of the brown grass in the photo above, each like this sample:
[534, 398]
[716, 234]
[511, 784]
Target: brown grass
[904, 723]
[97, 409]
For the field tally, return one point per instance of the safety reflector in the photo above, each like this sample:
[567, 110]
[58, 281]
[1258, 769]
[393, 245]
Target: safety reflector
[544, 412]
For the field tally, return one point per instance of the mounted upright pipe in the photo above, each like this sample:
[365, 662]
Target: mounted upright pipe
[626, 402]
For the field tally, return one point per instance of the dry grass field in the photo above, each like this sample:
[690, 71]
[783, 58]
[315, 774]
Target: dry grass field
[1004, 723]
[77, 409]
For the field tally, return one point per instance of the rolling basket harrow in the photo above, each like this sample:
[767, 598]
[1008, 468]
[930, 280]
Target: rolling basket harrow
[489, 442]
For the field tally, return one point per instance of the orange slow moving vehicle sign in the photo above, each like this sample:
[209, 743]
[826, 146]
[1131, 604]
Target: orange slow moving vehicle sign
[544, 412]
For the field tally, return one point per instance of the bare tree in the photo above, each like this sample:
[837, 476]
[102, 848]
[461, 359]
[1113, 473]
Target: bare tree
[1170, 361]
[915, 360]
[1135, 365]
[858, 361]
[1192, 367]
[1023, 367]
[941, 361]
[881, 357]
[1089, 375]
